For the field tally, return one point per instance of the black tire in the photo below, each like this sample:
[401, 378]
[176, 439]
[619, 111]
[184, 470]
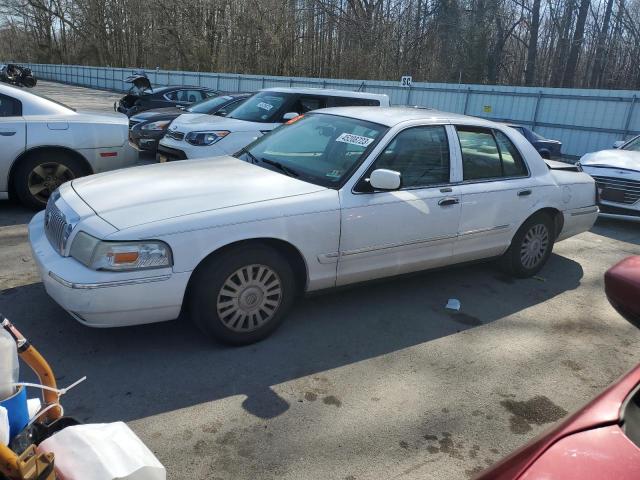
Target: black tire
[220, 315]
[522, 262]
[53, 168]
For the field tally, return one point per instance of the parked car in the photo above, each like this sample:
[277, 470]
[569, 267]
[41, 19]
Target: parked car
[45, 144]
[617, 174]
[549, 149]
[622, 286]
[335, 197]
[204, 136]
[143, 97]
[147, 128]
[602, 440]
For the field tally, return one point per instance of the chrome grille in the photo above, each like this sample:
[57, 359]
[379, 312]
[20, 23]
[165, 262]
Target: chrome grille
[175, 135]
[133, 123]
[55, 225]
[630, 188]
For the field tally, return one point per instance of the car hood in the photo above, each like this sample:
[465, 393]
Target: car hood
[193, 122]
[624, 159]
[157, 113]
[135, 196]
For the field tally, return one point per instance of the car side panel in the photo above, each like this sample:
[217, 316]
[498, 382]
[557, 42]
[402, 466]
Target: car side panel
[13, 142]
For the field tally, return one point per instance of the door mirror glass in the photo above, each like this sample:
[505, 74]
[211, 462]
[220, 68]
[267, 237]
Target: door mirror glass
[289, 116]
[383, 179]
[618, 144]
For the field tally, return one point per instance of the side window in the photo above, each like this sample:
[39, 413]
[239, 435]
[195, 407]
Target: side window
[10, 107]
[420, 154]
[171, 96]
[189, 96]
[307, 103]
[512, 163]
[487, 156]
[351, 102]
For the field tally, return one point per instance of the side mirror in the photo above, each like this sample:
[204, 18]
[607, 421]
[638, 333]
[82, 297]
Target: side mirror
[289, 116]
[618, 144]
[383, 179]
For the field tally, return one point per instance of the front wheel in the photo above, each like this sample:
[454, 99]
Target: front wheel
[38, 176]
[531, 246]
[242, 295]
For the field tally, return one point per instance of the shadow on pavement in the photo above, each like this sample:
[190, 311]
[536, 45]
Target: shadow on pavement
[13, 214]
[622, 230]
[140, 371]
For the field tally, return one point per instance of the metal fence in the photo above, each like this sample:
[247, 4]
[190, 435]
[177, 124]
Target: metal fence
[584, 120]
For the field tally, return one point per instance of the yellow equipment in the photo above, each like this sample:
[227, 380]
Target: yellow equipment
[30, 465]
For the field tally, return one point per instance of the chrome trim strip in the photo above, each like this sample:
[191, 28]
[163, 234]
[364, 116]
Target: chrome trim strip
[484, 230]
[120, 283]
[588, 212]
[359, 251]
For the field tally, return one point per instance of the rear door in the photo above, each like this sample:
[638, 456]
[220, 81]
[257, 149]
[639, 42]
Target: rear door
[12, 136]
[497, 192]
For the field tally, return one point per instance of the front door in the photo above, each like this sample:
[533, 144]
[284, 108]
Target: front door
[413, 228]
[12, 136]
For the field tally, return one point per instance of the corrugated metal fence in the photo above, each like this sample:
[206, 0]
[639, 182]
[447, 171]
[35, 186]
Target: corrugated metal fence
[584, 120]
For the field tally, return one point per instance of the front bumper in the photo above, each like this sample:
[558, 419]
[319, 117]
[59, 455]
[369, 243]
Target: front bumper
[145, 142]
[105, 299]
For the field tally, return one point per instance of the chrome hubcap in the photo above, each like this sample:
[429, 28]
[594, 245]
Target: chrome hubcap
[249, 298]
[46, 177]
[534, 246]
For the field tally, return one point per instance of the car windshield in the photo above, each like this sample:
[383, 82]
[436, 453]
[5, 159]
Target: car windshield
[209, 104]
[264, 107]
[633, 145]
[318, 148]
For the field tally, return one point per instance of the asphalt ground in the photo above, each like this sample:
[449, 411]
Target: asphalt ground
[373, 382]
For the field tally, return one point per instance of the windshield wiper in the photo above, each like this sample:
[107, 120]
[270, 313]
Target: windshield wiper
[281, 167]
[251, 156]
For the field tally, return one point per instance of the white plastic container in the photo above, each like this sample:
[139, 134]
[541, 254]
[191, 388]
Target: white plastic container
[102, 451]
[9, 367]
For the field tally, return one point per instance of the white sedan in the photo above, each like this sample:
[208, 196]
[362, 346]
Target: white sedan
[339, 196]
[44, 144]
[617, 174]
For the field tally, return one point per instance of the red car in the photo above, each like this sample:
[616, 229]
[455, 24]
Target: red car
[601, 441]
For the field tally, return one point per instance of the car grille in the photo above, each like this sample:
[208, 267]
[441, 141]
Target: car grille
[55, 226]
[630, 188]
[175, 135]
[133, 123]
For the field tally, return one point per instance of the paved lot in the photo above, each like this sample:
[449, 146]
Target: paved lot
[372, 382]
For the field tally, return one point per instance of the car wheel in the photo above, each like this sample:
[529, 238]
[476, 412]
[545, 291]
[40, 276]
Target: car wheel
[38, 176]
[241, 296]
[531, 246]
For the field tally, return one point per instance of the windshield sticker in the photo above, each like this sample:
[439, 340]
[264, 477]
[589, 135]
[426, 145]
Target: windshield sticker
[334, 174]
[265, 106]
[354, 139]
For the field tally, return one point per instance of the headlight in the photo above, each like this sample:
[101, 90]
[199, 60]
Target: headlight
[205, 138]
[158, 126]
[118, 256]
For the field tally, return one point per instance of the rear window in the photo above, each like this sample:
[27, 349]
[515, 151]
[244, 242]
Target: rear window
[352, 102]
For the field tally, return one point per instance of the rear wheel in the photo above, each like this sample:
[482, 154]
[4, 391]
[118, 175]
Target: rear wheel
[38, 176]
[242, 295]
[531, 246]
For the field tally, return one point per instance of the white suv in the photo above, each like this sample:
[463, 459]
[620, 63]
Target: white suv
[200, 135]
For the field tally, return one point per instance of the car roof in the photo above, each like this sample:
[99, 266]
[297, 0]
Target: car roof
[391, 116]
[326, 91]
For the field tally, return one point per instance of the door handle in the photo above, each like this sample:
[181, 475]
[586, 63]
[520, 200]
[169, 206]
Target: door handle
[7, 134]
[524, 193]
[448, 201]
